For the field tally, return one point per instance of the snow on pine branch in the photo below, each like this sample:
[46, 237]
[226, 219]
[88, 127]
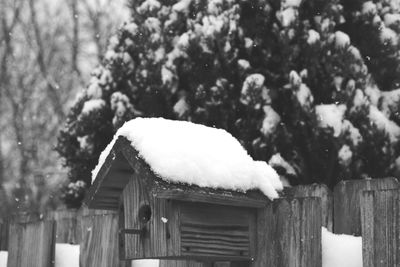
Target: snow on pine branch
[184, 152]
[93, 104]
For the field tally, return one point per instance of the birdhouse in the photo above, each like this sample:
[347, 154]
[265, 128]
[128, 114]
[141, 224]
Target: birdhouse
[159, 219]
[164, 219]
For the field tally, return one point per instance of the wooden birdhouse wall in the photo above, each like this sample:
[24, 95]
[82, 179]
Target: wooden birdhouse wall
[167, 228]
[144, 213]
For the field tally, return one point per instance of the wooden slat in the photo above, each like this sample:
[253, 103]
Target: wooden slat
[114, 173]
[380, 214]
[188, 263]
[68, 225]
[230, 200]
[99, 244]
[289, 233]
[31, 244]
[4, 223]
[347, 219]
[315, 190]
[216, 231]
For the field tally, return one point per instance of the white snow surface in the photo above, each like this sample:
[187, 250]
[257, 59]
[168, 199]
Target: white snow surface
[184, 152]
[341, 250]
[3, 258]
[383, 123]
[145, 263]
[277, 160]
[270, 121]
[368, 8]
[331, 115]
[341, 39]
[391, 19]
[345, 155]
[313, 37]
[93, 104]
[304, 95]
[388, 35]
[66, 255]
[288, 16]
[292, 3]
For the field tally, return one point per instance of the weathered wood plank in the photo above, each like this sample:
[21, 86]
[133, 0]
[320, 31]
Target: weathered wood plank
[289, 233]
[231, 200]
[380, 216]
[315, 190]
[347, 218]
[188, 263]
[4, 223]
[31, 244]
[99, 244]
[225, 230]
[68, 228]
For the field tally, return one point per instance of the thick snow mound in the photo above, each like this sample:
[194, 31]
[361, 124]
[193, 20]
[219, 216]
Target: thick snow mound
[184, 152]
[66, 255]
[341, 250]
[3, 258]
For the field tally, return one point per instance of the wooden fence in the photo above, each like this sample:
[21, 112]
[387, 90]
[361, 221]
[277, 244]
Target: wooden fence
[290, 227]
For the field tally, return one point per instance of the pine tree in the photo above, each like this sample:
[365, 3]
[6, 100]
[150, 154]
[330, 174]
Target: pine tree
[308, 86]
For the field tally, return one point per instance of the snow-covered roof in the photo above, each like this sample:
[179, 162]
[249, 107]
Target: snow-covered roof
[189, 153]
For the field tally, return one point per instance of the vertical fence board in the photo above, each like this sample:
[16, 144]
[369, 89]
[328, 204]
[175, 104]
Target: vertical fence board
[380, 228]
[347, 218]
[289, 233]
[68, 228]
[3, 233]
[316, 190]
[31, 244]
[99, 244]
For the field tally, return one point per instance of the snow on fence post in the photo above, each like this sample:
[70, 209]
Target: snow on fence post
[347, 219]
[289, 233]
[380, 217]
[316, 190]
[31, 244]
[99, 244]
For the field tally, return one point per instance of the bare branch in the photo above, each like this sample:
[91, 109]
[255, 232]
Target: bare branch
[75, 36]
[52, 86]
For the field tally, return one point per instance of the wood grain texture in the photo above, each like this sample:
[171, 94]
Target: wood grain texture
[230, 200]
[32, 244]
[182, 263]
[289, 233]
[4, 225]
[315, 190]
[68, 228]
[215, 231]
[380, 217]
[99, 244]
[347, 218]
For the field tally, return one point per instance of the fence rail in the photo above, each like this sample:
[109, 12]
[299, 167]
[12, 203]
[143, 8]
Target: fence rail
[290, 228]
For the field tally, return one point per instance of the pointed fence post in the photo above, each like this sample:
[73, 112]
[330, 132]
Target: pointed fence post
[380, 216]
[347, 219]
[316, 190]
[289, 233]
